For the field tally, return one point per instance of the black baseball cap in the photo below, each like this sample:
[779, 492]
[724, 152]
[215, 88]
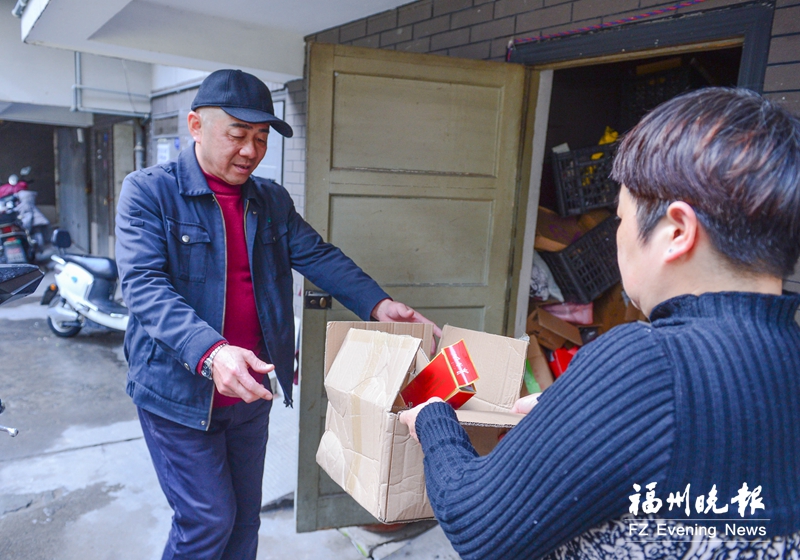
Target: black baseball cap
[242, 96]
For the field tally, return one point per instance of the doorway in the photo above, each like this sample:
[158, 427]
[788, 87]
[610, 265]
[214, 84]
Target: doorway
[112, 148]
[24, 144]
[585, 76]
[590, 107]
[587, 99]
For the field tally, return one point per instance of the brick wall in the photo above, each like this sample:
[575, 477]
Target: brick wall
[782, 79]
[481, 29]
[294, 154]
[294, 165]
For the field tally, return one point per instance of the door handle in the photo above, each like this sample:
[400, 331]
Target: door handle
[316, 300]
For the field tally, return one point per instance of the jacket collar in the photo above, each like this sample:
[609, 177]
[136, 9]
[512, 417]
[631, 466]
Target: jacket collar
[192, 182]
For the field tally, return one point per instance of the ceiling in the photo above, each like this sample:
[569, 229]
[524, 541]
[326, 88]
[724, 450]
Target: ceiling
[262, 36]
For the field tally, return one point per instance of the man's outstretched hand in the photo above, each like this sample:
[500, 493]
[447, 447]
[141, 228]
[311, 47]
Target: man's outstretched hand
[390, 311]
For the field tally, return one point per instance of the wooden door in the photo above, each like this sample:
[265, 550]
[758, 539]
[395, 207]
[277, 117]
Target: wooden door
[413, 169]
[71, 186]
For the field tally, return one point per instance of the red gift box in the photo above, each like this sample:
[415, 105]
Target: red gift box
[451, 376]
[560, 359]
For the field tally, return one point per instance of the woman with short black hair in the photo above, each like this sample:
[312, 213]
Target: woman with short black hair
[679, 438]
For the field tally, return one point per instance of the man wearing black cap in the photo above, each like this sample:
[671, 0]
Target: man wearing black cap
[205, 253]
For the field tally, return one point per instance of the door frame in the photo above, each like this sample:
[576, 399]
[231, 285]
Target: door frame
[748, 26]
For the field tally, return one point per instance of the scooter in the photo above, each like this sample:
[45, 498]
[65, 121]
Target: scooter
[16, 281]
[15, 244]
[84, 290]
[18, 205]
[16, 183]
[10, 431]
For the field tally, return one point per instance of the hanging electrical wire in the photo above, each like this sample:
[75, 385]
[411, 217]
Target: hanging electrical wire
[621, 21]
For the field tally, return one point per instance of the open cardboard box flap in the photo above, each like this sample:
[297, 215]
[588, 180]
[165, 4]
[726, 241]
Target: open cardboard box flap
[337, 330]
[500, 363]
[484, 418]
[370, 366]
[550, 331]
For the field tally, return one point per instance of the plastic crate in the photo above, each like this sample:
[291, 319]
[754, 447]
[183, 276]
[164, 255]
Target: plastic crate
[583, 183]
[640, 94]
[588, 267]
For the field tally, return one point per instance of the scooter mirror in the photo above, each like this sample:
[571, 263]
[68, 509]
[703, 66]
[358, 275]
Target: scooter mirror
[25, 171]
[18, 280]
[61, 238]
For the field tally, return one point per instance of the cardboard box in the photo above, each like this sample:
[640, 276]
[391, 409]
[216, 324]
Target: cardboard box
[365, 449]
[554, 232]
[611, 310]
[451, 376]
[592, 218]
[550, 331]
[539, 367]
[633, 314]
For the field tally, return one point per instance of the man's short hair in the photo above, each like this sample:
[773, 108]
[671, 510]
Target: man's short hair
[735, 158]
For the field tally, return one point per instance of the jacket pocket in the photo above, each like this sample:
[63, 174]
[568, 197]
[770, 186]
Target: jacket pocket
[276, 248]
[189, 248]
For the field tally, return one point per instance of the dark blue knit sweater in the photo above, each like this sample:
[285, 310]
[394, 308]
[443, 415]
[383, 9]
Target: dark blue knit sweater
[708, 394]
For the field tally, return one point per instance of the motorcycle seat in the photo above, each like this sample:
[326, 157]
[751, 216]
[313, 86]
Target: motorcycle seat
[107, 306]
[101, 267]
[7, 218]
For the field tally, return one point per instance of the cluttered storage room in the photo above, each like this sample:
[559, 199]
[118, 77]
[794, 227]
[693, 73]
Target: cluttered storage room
[575, 288]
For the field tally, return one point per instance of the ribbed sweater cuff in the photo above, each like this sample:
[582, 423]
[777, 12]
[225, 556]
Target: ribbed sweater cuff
[437, 423]
[199, 368]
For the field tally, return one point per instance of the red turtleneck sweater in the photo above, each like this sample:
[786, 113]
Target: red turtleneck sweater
[240, 325]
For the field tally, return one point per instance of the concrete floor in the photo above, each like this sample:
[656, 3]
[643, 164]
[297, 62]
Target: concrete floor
[77, 482]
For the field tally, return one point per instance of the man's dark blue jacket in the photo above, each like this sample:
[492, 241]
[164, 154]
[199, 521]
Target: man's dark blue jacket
[171, 256]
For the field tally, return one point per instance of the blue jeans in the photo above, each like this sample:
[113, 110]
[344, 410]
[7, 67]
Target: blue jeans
[212, 480]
